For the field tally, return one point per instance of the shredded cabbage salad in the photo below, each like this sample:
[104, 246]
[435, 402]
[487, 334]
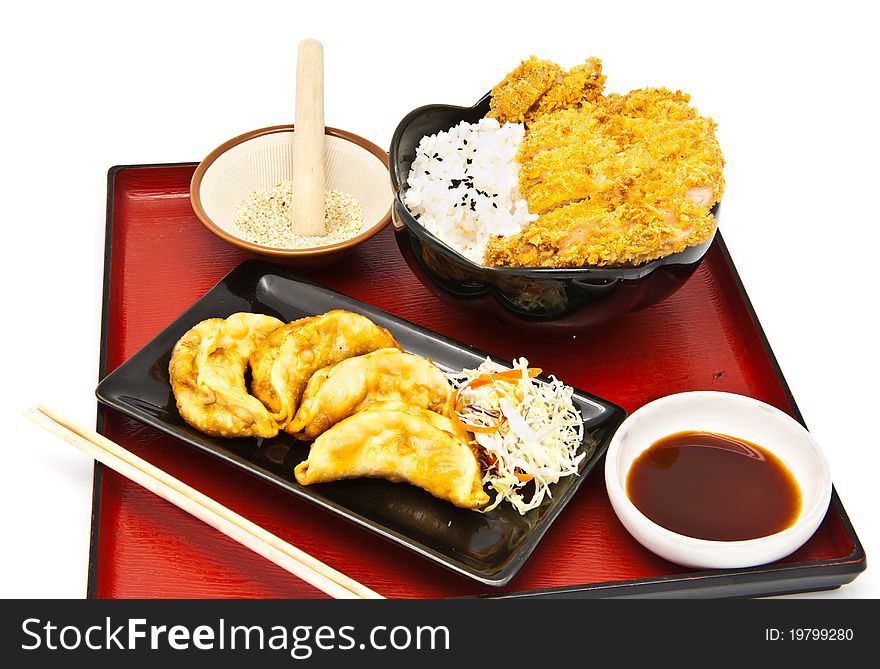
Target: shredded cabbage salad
[529, 432]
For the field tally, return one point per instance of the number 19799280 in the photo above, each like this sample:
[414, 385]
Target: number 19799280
[809, 634]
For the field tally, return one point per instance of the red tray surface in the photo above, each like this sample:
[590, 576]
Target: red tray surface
[162, 260]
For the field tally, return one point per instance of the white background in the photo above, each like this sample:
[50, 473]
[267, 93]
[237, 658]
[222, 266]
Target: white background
[89, 85]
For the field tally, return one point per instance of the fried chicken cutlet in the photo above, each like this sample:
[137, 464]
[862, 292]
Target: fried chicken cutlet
[521, 89]
[537, 87]
[619, 179]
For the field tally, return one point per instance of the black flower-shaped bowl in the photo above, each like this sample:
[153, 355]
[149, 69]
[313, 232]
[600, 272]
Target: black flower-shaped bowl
[565, 299]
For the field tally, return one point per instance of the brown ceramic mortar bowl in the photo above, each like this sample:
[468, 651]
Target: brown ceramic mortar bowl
[259, 159]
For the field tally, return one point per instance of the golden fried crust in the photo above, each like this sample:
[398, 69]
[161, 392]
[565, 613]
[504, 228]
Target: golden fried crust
[513, 97]
[338, 391]
[582, 83]
[207, 370]
[279, 376]
[623, 179]
[435, 418]
[262, 360]
[538, 87]
[397, 446]
[578, 234]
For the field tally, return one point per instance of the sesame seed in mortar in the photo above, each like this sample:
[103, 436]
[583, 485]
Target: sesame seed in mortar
[264, 218]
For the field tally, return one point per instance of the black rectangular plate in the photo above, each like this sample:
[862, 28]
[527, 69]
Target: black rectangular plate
[489, 547]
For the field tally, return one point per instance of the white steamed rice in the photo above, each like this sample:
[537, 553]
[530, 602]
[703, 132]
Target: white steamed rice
[464, 185]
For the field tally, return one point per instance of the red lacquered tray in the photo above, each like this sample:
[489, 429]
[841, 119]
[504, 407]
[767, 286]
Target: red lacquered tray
[160, 259]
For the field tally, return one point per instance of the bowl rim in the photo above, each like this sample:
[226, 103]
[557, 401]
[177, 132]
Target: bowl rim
[205, 164]
[708, 553]
[689, 256]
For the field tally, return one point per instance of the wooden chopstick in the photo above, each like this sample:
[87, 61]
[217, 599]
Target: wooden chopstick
[245, 532]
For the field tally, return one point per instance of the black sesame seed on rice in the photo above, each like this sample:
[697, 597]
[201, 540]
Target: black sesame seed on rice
[465, 221]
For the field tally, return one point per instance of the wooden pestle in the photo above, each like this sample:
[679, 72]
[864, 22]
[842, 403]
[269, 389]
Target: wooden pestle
[307, 213]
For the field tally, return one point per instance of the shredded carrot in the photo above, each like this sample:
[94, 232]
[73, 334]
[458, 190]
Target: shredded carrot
[523, 478]
[452, 403]
[509, 375]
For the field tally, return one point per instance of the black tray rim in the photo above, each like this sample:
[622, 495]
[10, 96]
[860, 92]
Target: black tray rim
[763, 581]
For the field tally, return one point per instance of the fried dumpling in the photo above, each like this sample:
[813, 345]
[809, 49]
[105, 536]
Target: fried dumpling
[281, 370]
[397, 446]
[207, 371]
[263, 361]
[336, 392]
[438, 420]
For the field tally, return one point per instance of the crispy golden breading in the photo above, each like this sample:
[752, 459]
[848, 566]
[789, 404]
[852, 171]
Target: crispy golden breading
[207, 376]
[583, 233]
[582, 83]
[537, 87]
[397, 446]
[521, 89]
[336, 392]
[622, 179]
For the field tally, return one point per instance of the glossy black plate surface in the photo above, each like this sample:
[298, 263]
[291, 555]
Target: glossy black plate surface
[488, 547]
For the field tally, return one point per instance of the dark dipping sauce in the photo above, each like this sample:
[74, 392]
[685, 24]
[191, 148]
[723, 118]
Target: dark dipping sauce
[712, 486]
